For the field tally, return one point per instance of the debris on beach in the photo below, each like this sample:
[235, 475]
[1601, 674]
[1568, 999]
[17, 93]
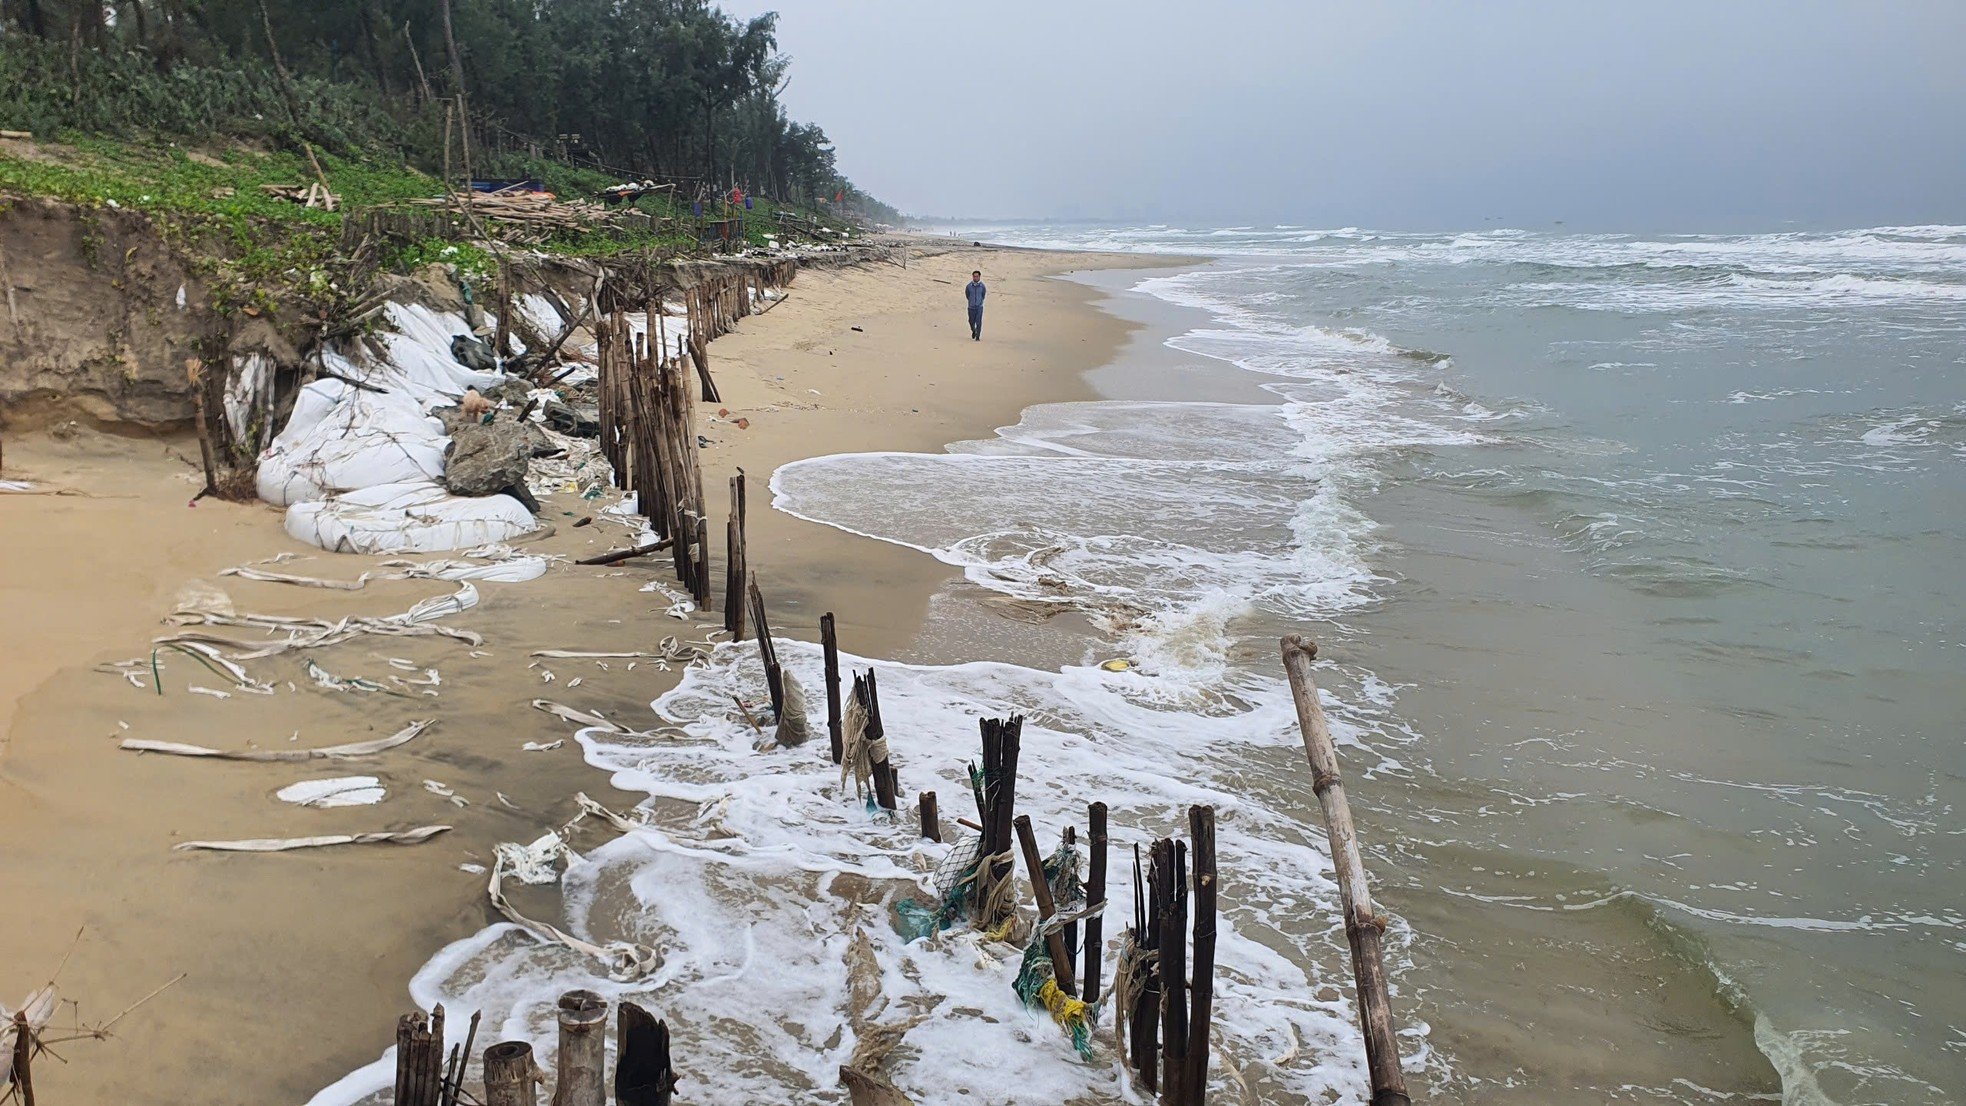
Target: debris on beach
[331, 752]
[335, 791]
[283, 844]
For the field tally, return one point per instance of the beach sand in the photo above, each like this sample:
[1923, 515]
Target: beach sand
[296, 964]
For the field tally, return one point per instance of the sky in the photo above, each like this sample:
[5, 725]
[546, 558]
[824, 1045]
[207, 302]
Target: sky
[1648, 115]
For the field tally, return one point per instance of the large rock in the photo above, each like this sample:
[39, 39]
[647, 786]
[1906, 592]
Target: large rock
[486, 459]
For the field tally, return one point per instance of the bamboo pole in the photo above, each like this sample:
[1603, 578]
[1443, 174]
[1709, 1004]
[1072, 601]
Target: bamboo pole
[768, 655]
[23, 1058]
[1095, 897]
[931, 818]
[830, 645]
[1364, 927]
[886, 784]
[509, 1079]
[1171, 870]
[581, 1064]
[1061, 961]
[643, 1075]
[1201, 832]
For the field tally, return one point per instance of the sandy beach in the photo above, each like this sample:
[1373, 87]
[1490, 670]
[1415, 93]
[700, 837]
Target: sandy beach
[295, 964]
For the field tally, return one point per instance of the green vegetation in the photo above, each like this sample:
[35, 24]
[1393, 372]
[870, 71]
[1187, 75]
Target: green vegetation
[671, 89]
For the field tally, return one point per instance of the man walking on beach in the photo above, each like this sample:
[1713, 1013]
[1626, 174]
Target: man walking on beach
[975, 291]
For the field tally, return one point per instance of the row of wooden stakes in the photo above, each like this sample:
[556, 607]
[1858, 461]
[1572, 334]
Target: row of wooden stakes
[643, 1073]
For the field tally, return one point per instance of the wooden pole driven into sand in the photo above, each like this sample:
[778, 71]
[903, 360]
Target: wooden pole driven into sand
[420, 1058]
[1095, 896]
[581, 1066]
[1364, 927]
[886, 785]
[830, 644]
[1002, 740]
[23, 1058]
[642, 1074]
[509, 1079]
[931, 818]
[767, 652]
[1171, 873]
[735, 572]
[1061, 961]
[1201, 1011]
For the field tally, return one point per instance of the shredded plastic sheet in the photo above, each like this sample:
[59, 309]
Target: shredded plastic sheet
[284, 844]
[331, 752]
[498, 563]
[533, 863]
[39, 1007]
[316, 633]
[334, 791]
[360, 470]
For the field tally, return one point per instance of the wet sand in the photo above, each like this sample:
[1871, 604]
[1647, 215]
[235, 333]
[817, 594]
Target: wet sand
[296, 963]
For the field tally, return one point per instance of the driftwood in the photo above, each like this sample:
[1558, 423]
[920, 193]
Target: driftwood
[331, 752]
[1364, 926]
[619, 555]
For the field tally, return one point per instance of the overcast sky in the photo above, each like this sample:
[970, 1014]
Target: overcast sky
[1645, 115]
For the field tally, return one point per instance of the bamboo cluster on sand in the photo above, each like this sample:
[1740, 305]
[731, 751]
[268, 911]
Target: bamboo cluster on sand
[1165, 1008]
[643, 1072]
[648, 426]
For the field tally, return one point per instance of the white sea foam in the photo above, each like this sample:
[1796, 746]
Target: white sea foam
[747, 900]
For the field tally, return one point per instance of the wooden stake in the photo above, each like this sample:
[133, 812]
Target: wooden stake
[1172, 872]
[581, 1066]
[768, 653]
[1061, 961]
[23, 1058]
[931, 820]
[829, 643]
[642, 1074]
[734, 570]
[1201, 832]
[509, 1079]
[886, 785]
[1095, 894]
[1364, 928]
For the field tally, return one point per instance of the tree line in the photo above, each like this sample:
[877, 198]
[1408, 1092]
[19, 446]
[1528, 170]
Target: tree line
[674, 89]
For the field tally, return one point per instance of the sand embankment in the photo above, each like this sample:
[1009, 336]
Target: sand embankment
[297, 963]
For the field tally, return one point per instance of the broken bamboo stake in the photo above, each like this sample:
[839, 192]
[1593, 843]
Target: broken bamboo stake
[580, 1068]
[931, 818]
[1201, 835]
[768, 652]
[642, 1073]
[1364, 927]
[1095, 897]
[886, 785]
[509, 1078]
[23, 1058]
[1054, 940]
[830, 645]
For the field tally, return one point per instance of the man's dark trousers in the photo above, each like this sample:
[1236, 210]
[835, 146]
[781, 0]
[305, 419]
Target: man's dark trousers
[976, 321]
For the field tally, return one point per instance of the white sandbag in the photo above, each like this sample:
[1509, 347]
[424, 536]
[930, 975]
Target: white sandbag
[413, 518]
[361, 440]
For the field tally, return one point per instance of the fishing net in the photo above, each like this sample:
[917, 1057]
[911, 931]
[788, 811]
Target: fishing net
[1037, 981]
[955, 888]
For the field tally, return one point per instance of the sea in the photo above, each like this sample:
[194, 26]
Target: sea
[1632, 564]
